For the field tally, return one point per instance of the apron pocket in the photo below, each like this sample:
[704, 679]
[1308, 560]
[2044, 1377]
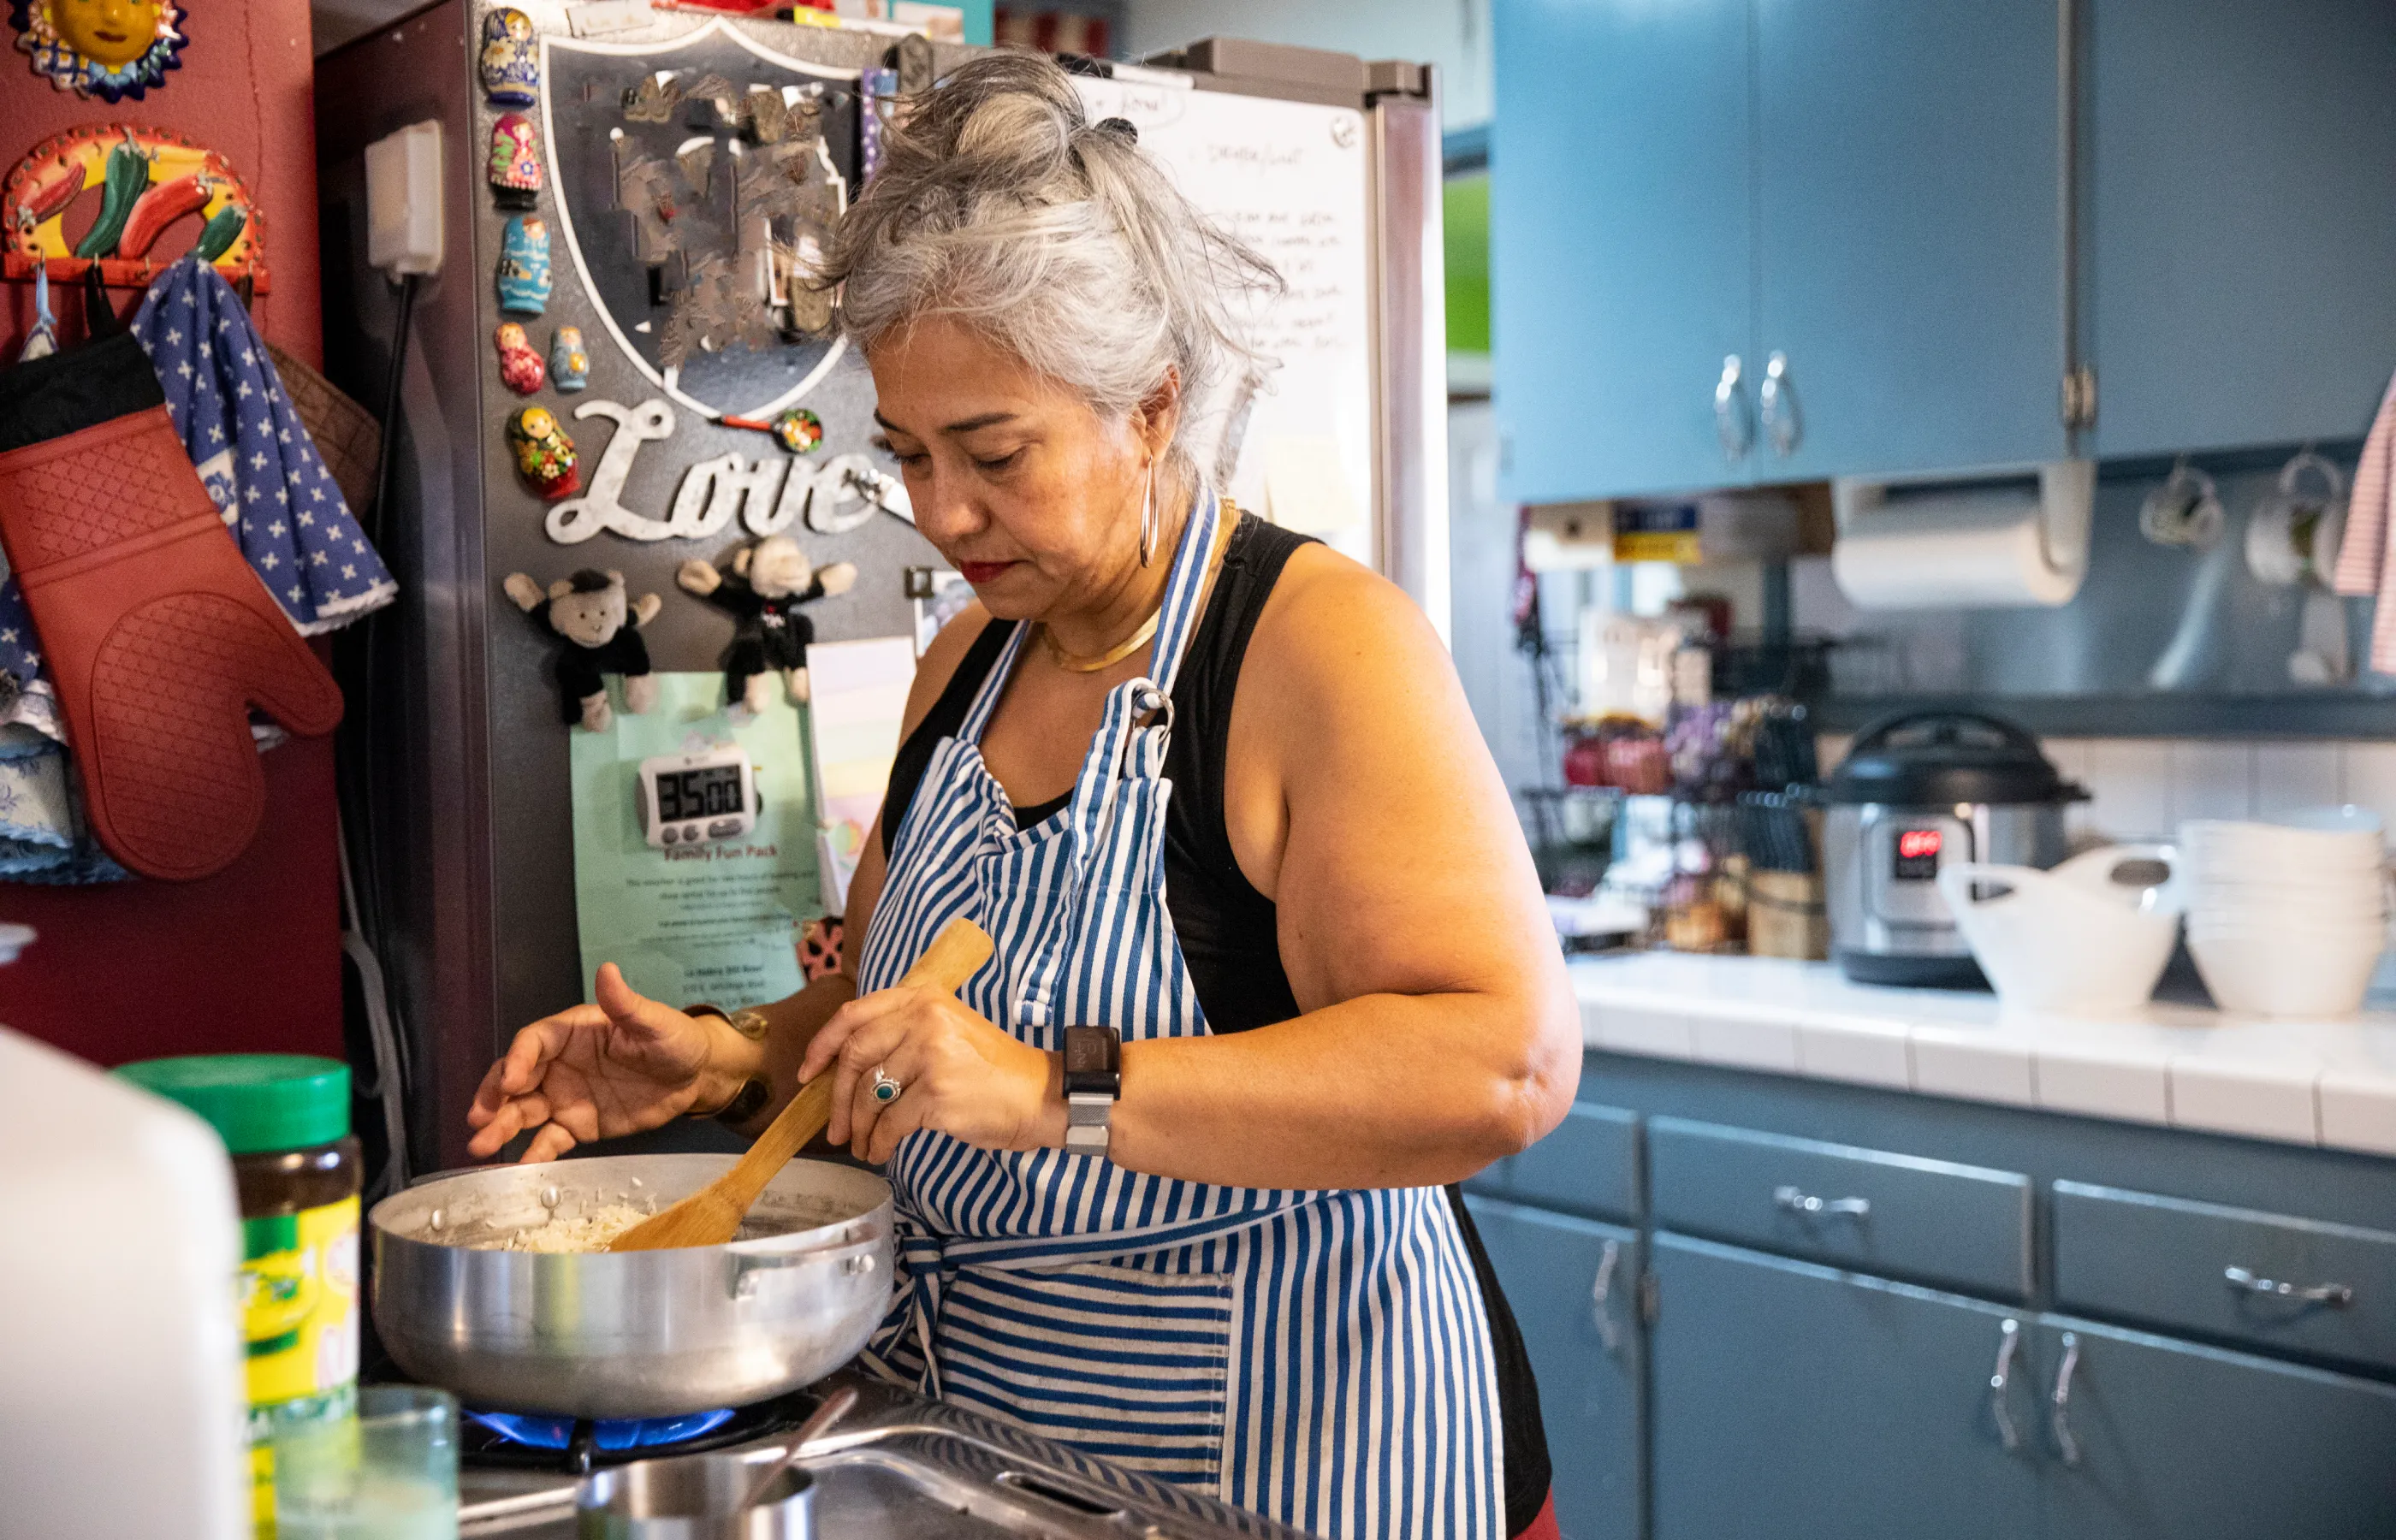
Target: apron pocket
[1118, 1362]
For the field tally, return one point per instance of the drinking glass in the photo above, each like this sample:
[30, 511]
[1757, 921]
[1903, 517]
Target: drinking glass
[388, 1473]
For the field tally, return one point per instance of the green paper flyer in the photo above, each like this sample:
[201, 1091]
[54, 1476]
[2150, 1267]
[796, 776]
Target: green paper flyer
[717, 919]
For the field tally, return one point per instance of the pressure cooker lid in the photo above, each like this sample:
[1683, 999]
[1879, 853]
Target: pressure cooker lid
[1934, 758]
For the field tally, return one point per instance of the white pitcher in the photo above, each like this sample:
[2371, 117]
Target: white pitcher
[2070, 939]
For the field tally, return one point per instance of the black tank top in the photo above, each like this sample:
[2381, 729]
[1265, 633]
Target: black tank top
[1227, 929]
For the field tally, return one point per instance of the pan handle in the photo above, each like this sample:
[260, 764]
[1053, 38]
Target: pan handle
[864, 1254]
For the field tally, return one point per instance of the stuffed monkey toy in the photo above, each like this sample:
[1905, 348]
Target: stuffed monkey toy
[770, 579]
[601, 632]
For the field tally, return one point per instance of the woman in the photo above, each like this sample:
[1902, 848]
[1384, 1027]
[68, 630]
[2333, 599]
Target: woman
[1210, 788]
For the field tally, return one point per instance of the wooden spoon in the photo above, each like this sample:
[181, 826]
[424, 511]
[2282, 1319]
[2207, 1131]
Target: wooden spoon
[712, 1216]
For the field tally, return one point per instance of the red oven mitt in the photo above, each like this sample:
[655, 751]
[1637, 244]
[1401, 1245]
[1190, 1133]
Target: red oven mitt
[156, 635]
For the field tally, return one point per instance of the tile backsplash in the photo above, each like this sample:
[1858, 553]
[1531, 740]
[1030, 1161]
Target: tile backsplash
[2143, 788]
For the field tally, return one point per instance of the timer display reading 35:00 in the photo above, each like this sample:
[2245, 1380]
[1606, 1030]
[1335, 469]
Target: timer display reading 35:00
[698, 793]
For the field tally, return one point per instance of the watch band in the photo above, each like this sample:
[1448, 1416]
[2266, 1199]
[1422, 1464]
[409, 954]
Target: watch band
[1093, 1084]
[751, 1098]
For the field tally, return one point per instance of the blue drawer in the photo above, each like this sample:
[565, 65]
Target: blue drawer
[2274, 1280]
[1589, 1164]
[1966, 1228]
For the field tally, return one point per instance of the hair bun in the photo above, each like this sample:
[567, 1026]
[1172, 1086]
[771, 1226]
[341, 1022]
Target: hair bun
[1124, 128]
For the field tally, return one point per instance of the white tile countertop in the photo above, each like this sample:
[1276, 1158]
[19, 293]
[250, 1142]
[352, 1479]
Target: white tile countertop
[2327, 1083]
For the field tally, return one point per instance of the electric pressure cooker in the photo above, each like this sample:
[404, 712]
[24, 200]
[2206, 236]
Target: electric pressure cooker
[1917, 791]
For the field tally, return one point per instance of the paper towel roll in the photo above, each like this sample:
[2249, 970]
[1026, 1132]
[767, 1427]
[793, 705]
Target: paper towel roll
[2003, 545]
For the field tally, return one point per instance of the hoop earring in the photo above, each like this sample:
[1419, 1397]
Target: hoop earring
[1148, 519]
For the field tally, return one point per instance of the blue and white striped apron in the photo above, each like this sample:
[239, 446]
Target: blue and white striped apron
[1321, 1358]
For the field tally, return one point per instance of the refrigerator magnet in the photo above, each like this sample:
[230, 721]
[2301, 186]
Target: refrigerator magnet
[515, 162]
[521, 369]
[511, 58]
[545, 457]
[569, 365]
[524, 266]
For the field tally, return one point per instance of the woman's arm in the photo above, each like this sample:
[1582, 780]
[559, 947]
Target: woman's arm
[1439, 1031]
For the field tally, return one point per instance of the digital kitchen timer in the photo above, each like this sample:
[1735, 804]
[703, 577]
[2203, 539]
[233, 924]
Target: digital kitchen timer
[706, 794]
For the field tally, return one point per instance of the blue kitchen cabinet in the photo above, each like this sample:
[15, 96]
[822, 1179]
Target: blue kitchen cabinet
[1910, 254]
[1574, 1288]
[1801, 1403]
[1620, 244]
[2153, 1438]
[2241, 209]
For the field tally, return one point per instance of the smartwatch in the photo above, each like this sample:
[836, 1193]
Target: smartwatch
[1093, 1084]
[751, 1098]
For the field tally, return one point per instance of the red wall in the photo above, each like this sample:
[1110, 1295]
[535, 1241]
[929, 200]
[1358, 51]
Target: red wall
[250, 958]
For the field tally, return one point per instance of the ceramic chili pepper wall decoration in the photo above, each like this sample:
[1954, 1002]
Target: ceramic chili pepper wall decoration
[131, 190]
[569, 365]
[524, 266]
[515, 162]
[108, 49]
[520, 368]
[510, 60]
[545, 457]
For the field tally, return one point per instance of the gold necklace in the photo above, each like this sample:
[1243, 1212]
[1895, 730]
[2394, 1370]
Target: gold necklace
[1139, 638]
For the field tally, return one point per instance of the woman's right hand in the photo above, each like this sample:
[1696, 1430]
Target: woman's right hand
[599, 1071]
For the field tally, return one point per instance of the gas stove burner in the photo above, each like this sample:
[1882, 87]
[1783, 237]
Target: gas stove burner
[613, 1435]
[532, 1441]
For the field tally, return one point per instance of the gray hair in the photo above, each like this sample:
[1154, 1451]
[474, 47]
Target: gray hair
[998, 203]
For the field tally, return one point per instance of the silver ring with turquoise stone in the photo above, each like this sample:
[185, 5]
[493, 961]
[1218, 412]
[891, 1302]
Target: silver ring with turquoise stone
[884, 1088]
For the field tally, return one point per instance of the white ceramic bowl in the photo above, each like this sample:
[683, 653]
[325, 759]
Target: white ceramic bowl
[2285, 975]
[2068, 940]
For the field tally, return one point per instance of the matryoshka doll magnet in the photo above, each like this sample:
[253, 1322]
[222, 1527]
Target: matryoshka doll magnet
[545, 457]
[570, 366]
[524, 266]
[511, 58]
[520, 368]
[515, 162]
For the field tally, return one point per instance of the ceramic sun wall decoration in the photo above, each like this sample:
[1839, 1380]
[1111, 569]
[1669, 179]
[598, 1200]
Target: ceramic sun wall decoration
[108, 49]
[140, 198]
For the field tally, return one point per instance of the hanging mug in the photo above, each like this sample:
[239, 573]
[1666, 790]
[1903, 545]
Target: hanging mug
[2294, 534]
[2185, 510]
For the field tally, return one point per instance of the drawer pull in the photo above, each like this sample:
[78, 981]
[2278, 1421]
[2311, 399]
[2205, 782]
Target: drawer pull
[2001, 1380]
[2334, 1295]
[1806, 1204]
[2065, 1445]
[1599, 1290]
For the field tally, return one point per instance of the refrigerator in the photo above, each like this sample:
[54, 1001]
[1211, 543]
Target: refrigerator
[457, 775]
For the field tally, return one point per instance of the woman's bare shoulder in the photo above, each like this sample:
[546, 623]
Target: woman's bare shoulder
[1333, 623]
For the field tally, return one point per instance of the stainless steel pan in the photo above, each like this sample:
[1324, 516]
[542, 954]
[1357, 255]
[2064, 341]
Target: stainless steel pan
[631, 1334]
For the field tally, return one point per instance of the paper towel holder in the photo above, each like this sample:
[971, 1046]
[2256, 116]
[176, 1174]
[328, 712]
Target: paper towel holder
[2065, 493]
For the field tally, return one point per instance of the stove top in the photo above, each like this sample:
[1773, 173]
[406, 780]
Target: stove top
[896, 1465]
[513, 1440]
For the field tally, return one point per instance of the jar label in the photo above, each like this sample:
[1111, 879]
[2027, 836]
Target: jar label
[299, 1311]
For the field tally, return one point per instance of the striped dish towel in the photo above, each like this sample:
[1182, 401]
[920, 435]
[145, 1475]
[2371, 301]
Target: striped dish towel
[2366, 563]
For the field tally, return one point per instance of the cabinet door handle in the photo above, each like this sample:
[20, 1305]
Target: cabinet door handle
[1794, 1201]
[1780, 398]
[1599, 1290]
[2065, 1445]
[1732, 424]
[2334, 1295]
[2001, 1381]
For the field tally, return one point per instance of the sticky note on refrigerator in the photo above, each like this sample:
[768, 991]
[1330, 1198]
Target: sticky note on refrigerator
[1305, 489]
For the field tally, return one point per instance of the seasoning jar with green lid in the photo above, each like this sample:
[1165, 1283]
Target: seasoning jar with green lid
[284, 1118]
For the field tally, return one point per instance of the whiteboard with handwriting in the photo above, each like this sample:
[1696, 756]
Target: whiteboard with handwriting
[1289, 178]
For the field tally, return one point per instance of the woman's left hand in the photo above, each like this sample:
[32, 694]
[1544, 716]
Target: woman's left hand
[958, 1073]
